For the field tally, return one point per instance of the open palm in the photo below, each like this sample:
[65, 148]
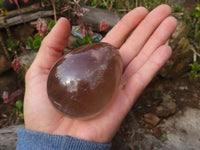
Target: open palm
[140, 37]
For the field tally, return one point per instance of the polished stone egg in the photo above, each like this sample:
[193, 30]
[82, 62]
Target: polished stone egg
[84, 81]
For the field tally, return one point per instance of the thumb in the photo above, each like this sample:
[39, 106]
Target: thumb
[53, 45]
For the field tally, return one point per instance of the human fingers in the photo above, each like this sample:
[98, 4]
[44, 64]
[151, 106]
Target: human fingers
[125, 26]
[145, 74]
[158, 38]
[127, 94]
[141, 34]
[53, 45]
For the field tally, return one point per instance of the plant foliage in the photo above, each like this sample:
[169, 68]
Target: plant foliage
[35, 42]
[193, 22]
[195, 70]
[11, 45]
[88, 39]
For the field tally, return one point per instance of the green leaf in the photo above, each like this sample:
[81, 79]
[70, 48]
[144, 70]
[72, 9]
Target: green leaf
[120, 7]
[14, 111]
[164, 136]
[30, 39]
[94, 3]
[192, 14]
[198, 34]
[88, 39]
[197, 8]
[37, 36]
[103, 5]
[189, 35]
[197, 14]
[21, 114]
[178, 9]
[29, 42]
[19, 105]
[195, 69]
[51, 24]
[17, 43]
[36, 44]
[11, 44]
[1, 4]
[187, 21]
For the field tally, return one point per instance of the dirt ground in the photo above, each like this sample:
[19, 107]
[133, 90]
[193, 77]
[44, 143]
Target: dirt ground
[184, 92]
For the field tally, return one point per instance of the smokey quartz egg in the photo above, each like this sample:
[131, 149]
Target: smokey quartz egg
[84, 81]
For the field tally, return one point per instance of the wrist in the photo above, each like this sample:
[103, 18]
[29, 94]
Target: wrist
[28, 139]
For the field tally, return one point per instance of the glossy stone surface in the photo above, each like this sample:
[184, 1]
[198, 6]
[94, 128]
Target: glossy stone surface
[83, 82]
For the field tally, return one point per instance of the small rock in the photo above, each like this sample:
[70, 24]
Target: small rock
[183, 88]
[171, 106]
[148, 105]
[166, 97]
[72, 42]
[151, 119]
[162, 111]
[95, 16]
[165, 109]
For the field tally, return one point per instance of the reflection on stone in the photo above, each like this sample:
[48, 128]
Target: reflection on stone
[83, 82]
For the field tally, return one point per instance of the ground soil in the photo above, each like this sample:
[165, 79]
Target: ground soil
[185, 92]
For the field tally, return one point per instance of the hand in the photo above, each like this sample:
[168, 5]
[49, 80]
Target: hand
[140, 37]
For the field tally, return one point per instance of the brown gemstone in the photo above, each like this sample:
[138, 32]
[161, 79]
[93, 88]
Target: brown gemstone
[84, 81]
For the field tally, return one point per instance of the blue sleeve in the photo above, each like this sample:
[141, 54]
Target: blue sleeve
[32, 140]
